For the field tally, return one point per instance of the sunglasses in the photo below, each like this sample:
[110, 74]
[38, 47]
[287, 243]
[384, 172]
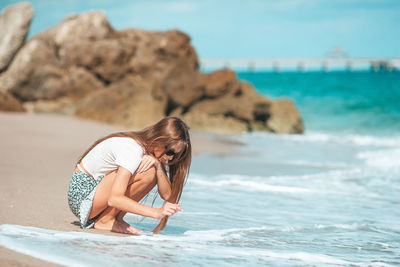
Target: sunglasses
[170, 153]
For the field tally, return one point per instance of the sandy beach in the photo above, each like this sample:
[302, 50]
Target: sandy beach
[38, 153]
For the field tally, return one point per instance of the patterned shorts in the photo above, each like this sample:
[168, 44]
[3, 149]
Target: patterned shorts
[80, 197]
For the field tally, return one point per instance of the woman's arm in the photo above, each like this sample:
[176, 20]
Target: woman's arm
[163, 182]
[119, 200]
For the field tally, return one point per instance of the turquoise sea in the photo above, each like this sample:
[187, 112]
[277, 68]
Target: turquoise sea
[349, 102]
[328, 197]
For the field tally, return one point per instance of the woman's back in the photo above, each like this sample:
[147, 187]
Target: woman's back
[111, 153]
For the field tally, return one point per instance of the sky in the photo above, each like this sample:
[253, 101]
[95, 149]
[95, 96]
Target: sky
[252, 28]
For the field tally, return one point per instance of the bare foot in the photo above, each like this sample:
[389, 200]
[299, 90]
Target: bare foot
[120, 226]
[117, 226]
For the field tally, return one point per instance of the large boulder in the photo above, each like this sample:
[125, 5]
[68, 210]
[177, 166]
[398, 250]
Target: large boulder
[157, 53]
[219, 82]
[29, 82]
[79, 82]
[107, 59]
[40, 70]
[183, 90]
[230, 105]
[168, 62]
[92, 25]
[128, 102]
[14, 26]
[34, 73]
[239, 104]
[218, 123]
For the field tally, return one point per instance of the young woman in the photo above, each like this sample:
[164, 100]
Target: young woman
[117, 171]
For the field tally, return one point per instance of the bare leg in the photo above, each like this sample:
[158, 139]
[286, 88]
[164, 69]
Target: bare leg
[111, 218]
[138, 192]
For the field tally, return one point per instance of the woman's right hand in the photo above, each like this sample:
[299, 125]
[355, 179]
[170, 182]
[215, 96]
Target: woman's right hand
[147, 162]
[168, 209]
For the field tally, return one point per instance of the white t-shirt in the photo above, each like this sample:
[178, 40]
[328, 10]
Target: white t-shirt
[111, 153]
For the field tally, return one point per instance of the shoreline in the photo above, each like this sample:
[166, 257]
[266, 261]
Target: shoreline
[38, 155]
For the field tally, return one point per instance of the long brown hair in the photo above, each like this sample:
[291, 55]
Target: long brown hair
[168, 132]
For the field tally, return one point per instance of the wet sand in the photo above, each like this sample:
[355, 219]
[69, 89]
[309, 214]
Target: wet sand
[38, 154]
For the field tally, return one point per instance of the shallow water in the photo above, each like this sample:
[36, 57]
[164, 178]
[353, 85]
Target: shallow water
[330, 197]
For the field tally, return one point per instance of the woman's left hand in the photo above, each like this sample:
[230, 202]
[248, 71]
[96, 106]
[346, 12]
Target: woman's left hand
[147, 162]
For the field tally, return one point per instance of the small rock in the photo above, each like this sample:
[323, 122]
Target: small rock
[63, 105]
[219, 82]
[284, 117]
[10, 103]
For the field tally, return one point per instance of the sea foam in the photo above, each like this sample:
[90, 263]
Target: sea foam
[83, 249]
[193, 246]
[383, 159]
[249, 186]
[321, 137]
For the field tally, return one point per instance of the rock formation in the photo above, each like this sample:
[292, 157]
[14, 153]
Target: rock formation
[133, 78]
[14, 26]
